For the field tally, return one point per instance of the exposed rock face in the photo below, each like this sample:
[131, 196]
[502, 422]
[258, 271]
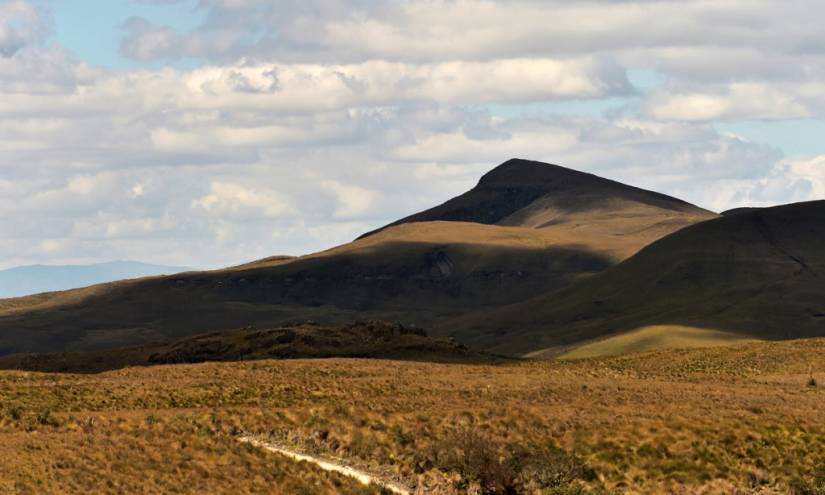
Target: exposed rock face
[440, 265]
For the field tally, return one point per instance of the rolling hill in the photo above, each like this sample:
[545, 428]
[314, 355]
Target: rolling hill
[758, 274]
[34, 279]
[372, 339]
[525, 229]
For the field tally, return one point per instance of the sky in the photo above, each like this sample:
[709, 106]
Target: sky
[212, 132]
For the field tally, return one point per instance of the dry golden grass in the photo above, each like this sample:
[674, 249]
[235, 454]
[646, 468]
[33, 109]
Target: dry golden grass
[652, 338]
[617, 230]
[691, 421]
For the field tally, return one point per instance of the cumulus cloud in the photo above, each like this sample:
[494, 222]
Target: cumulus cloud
[811, 171]
[189, 167]
[234, 201]
[21, 24]
[353, 201]
[428, 30]
[143, 41]
[696, 44]
[740, 101]
[313, 121]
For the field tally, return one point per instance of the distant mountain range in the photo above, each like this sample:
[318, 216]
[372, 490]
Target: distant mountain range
[34, 279]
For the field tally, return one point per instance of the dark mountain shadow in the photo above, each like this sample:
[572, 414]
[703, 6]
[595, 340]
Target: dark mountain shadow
[758, 273]
[414, 283]
[365, 340]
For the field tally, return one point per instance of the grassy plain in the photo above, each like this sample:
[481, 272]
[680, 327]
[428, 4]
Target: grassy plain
[737, 419]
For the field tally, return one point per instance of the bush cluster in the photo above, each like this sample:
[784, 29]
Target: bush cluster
[497, 469]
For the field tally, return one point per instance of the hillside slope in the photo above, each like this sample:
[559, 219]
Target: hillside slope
[418, 273]
[373, 339]
[526, 193]
[756, 274]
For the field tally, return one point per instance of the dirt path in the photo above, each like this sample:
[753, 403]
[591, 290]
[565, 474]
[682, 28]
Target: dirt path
[326, 465]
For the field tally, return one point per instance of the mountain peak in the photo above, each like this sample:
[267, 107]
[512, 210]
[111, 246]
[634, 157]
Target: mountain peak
[520, 192]
[517, 171]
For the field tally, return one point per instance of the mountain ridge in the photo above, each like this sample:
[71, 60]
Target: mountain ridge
[514, 185]
[574, 225]
[756, 274]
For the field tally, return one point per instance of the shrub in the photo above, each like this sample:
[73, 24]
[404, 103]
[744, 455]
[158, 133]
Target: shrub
[478, 460]
[302, 489]
[362, 445]
[550, 467]
[45, 418]
[501, 470]
[565, 490]
[88, 424]
[400, 436]
[15, 413]
[815, 485]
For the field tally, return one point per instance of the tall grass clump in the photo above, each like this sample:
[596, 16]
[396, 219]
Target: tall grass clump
[813, 485]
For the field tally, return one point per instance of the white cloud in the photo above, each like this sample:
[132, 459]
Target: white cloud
[428, 30]
[353, 201]
[21, 24]
[739, 101]
[234, 201]
[296, 88]
[142, 41]
[317, 120]
[812, 171]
